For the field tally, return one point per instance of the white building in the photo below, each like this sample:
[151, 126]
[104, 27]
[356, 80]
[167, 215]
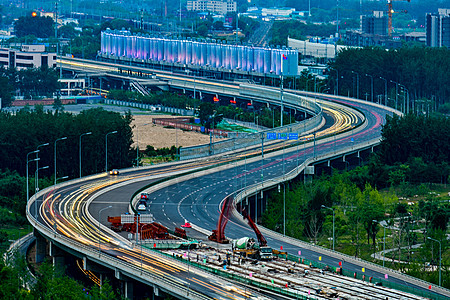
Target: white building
[30, 56]
[220, 7]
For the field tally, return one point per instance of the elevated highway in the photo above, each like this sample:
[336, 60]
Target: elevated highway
[69, 215]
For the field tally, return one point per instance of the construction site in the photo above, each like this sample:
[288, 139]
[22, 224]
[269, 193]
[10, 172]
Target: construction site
[252, 262]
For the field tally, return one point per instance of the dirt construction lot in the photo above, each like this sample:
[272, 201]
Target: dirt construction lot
[160, 137]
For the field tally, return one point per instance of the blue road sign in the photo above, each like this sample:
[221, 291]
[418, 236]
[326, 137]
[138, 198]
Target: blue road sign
[293, 136]
[271, 135]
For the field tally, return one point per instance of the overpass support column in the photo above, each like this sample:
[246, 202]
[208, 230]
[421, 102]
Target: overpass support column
[41, 246]
[57, 256]
[128, 289]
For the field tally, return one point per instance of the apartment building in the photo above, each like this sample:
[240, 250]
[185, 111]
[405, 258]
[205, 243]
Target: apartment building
[30, 56]
[219, 7]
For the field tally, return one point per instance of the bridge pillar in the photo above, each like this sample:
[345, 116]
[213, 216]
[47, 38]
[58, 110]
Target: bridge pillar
[308, 174]
[128, 289]
[57, 256]
[41, 246]
[118, 274]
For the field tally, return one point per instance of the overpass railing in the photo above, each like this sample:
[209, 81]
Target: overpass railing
[133, 271]
[258, 187]
[244, 140]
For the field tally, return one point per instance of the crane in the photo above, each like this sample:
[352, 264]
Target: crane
[390, 12]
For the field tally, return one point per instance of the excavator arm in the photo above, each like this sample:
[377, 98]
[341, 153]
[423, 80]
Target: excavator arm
[218, 234]
[261, 240]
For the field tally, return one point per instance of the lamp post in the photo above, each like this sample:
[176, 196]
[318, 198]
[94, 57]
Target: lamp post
[37, 162]
[106, 149]
[357, 84]
[337, 80]
[60, 139]
[281, 94]
[371, 86]
[83, 134]
[306, 86]
[62, 178]
[384, 238]
[324, 89]
[137, 143]
[405, 95]
[440, 258]
[396, 92]
[323, 206]
[385, 90]
[99, 212]
[36, 159]
[37, 187]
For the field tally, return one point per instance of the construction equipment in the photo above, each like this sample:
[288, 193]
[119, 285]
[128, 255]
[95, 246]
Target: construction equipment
[218, 235]
[147, 230]
[390, 12]
[247, 247]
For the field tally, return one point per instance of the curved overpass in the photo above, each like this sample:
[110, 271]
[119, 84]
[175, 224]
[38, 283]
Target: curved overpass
[67, 212]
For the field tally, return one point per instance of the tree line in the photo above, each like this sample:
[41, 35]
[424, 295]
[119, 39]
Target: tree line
[21, 133]
[414, 75]
[29, 83]
[411, 162]
[50, 283]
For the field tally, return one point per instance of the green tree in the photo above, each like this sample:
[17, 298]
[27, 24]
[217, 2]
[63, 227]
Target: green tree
[42, 27]
[5, 92]
[53, 284]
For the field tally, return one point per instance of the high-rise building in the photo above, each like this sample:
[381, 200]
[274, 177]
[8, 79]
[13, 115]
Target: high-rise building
[375, 24]
[438, 28]
[221, 7]
[30, 56]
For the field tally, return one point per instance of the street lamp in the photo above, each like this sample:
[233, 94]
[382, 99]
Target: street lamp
[62, 178]
[60, 139]
[83, 134]
[396, 92]
[324, 89]
[440, 258]
[371, 86]
[37, 187]
[357, 84]
[385, 90]
[337, 81]
[37, 162]
[384, 238]
[106, 149]
[323, 206]
[306, 85]
[137, 143]
[99, 212]
[36, 159]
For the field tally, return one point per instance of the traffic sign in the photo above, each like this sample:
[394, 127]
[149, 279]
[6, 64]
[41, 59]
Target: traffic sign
[293, 136]
[271, 135]
[283, 136]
